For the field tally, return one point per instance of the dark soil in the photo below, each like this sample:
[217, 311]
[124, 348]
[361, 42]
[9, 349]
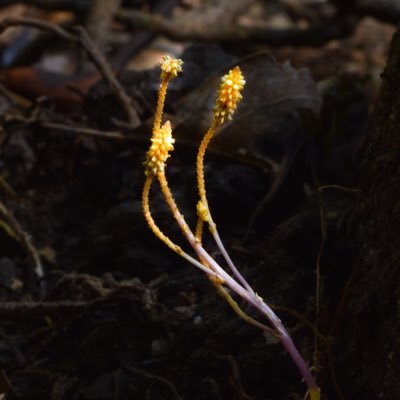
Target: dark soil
[119, 316]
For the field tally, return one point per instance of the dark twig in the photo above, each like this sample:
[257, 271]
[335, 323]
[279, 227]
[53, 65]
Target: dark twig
[84, 131]
[295, 314]
[82, 38]
[98, 59]
[99, 20]
[235, 379]
[6, 187]
[73, 5]
[20, 235]
[19, 310]
[38, 24]
[149, 375]
[30, 309]
[182, 29]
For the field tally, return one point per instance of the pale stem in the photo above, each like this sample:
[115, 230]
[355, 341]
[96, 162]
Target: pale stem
[164, 238]
[228, 259]
[215, 278]
[250, 297]
[202, 192]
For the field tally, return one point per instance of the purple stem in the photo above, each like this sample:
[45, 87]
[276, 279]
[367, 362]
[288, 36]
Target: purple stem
[229, 261]
[250, 296]
[256, 301]
[264, 309]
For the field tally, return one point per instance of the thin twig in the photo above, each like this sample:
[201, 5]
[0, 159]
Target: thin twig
[235, 371]
[73, 5]
[149, 375]
[99, 20]
[29, 309]
[82, 38]
[84, 131]
[7, 187]
[295, 314]
[8, 22]
[25, 240]
[99, 60]
[182, 29]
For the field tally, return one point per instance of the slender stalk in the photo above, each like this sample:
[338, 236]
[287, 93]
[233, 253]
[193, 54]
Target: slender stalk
[250, 297]
[177, 249]
[229, 261]
[203, 198]
[200, 162]
[165, 239]
[234, 305]
[160, 103]
[149, 219]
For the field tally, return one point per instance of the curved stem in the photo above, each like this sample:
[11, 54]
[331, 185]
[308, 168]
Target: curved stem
[200, 162]
[149, 218]
[229, 261]
[235, 306]
[177, 249]
[160, 104]
[203, 198]
[164, 238]
[251, 298]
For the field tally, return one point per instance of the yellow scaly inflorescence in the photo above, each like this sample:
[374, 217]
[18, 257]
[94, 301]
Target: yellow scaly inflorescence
[170, 67]
[229, 95]
[162, 143]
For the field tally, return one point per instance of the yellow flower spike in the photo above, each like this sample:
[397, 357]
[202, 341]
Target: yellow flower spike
[162, 143]
[229, 95]
[170, 67]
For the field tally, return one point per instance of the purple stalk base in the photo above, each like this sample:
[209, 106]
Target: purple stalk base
[243, 290]
[264, 309]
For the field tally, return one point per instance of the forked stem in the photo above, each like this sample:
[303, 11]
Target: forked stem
[206, 216]
[164, 238]
[204, 267]
[249, 296]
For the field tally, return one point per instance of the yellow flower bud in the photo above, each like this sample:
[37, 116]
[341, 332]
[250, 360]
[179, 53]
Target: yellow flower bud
[162, 143]
[229, 95]
[202, 211]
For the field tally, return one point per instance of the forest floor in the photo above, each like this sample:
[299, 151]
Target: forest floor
[92, 305]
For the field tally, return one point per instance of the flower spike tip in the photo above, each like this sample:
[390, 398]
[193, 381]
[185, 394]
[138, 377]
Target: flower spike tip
[170, 67]
[229, 95]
